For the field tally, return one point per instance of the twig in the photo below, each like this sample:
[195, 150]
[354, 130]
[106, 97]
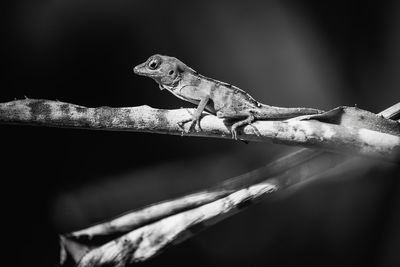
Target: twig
[151, 239]
[137, 218]
[312, 133]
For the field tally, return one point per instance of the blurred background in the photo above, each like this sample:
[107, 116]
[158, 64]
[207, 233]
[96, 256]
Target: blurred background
[319, 54]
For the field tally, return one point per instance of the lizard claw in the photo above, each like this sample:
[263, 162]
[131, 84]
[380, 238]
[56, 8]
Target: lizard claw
[234, 133]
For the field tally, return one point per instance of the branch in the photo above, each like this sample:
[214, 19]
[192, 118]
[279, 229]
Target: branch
[311, 133]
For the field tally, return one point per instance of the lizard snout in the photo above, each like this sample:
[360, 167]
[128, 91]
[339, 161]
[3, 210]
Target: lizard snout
[141, 70]
[137, 69]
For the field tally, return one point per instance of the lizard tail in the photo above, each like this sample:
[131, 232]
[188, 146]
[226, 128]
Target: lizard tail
[266, 112]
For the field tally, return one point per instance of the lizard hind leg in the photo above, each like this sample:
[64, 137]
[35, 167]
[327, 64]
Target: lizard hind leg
[247, 121]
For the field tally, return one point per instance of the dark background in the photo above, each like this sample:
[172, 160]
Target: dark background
[320, 54]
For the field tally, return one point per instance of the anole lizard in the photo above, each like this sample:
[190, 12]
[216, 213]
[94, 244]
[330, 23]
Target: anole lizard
[221, 99]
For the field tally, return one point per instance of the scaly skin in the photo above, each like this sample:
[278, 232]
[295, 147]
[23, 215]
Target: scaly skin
[219, 98]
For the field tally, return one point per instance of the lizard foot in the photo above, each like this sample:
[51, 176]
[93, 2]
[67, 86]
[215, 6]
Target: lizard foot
[182, 123]
[244, 122]
[234, 132]
[194, 122]
[256, 131]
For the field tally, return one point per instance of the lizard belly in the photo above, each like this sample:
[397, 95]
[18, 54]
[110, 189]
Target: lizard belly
[191, 100]
[187, 97]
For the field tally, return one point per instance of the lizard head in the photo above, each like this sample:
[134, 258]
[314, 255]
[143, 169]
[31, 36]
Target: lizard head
[165, 70]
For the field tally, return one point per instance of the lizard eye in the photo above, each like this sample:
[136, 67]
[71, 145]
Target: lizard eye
[171, 72]
[153, 64]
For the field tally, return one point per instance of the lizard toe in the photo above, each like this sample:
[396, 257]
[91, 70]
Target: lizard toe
[234, 134]
[198, 124]
[256, 131]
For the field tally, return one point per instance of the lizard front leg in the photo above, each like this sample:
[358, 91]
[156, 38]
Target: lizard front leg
[196, 115]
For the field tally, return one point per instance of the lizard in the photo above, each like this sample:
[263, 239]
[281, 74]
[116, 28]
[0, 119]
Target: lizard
[218, 98]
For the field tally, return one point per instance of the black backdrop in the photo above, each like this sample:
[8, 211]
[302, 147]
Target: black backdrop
[320, 54]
